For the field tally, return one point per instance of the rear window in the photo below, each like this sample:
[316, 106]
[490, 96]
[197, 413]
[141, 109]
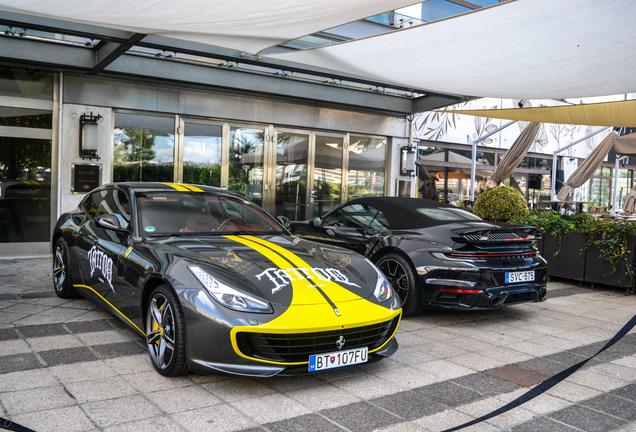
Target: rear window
[448, 214]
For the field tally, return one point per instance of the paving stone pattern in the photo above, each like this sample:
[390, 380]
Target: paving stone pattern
[67, 366]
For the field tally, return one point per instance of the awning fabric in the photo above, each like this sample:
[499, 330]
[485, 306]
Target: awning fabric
[626, 145]
[523, 49]
[244, 25]
[514, 155]
[619, 114]
[587, 168]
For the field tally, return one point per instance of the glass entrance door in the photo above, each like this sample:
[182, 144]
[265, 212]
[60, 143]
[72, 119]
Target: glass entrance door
[202, 145]
[247, 163]
[327, 189]
[25, 190]
[292, 152]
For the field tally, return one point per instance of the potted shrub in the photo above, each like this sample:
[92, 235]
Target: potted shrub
[500, 204]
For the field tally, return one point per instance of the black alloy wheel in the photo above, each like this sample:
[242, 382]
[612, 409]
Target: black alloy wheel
[400, 275]
[165, 333]
[62, 280]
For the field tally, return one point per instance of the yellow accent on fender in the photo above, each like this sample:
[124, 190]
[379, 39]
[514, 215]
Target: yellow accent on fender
[128, 251]
[309, 311]
[178, 187]
[111, 305]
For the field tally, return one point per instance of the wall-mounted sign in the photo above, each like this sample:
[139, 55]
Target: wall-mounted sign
[403, 188]
[85, 177]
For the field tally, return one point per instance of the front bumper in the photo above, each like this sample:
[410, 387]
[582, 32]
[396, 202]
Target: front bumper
[214, 344]
[257, 370]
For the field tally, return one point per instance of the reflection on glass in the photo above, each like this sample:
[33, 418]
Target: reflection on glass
[436, 154]
[15, 81]
[144, 148]
[291, 175]
[27, 118]
[202, 154]
[327, 174]
[246, 163]
[624, 186]
[367, 158]
[25, 190]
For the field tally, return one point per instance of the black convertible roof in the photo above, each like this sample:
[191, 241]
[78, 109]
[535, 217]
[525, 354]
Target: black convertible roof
[401, 213]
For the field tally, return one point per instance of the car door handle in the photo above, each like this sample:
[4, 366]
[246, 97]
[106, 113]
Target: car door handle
[330, 232]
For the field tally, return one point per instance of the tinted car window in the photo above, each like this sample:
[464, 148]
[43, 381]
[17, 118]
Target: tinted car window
[352, 216]
[109, 201]
[447, 214]
[180, 212]
[379, 222]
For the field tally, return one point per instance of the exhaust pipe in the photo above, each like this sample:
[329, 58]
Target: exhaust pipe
[496, 301]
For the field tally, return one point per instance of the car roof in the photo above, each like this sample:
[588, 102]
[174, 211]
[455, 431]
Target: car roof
[170, 187]
[402, 212]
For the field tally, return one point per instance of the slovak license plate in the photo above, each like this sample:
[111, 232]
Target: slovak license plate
[338, 359]
[522, 276]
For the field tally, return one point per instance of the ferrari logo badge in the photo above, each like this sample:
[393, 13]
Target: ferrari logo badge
[340, 342]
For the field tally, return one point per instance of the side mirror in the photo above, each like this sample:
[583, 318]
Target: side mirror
[284, 221]
[110, 221]
[316, 222]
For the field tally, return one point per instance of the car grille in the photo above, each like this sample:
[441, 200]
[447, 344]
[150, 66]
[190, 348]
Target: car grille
[297, 347]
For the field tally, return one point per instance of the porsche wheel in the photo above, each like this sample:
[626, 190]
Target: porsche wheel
[400, 275]
[165, 334]
[62, 280]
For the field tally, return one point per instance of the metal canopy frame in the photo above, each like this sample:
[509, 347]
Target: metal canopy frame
[111, 56]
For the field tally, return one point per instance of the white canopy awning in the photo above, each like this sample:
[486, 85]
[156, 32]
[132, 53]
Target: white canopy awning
[244, 25]
[523, 49]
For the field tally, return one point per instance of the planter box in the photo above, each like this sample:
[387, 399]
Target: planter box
[569, 262]
[599, 270]
[539, 245]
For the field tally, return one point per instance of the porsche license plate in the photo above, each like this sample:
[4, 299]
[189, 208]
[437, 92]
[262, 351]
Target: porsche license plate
[522, 276]
[338, 359]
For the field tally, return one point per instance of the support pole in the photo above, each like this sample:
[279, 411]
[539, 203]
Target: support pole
[473, 166]
[615, 188]
[556, 152]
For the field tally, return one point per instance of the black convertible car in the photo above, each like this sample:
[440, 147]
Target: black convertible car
[215, 284]
[436, 255]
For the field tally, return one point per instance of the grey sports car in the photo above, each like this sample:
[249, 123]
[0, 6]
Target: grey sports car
[214, 284]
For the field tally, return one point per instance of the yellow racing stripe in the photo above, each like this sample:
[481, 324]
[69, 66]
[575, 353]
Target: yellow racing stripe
[178, 187]
[111, 305]
[193, 188]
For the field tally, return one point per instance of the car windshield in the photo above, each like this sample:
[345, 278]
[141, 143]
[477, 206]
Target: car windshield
[182, 213]
[448, 214]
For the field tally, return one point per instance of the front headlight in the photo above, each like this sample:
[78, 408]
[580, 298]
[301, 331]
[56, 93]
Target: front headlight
[229, 297]
[383, 290]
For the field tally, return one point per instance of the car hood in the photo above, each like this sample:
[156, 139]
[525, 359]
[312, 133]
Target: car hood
[278, 268]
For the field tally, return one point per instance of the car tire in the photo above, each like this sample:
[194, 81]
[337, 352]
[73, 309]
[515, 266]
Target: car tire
[165, 332]
[62, 279]
[399, 272]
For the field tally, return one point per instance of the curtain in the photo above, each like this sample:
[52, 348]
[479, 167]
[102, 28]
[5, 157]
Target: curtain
[629, 205]
[514, 155]
[587, 168]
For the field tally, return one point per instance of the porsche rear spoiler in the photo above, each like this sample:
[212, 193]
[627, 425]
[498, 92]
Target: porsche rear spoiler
[508, 236]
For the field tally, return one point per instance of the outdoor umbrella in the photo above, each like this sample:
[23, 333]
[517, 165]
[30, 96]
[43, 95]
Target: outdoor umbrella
[587, 168]
[514, 155]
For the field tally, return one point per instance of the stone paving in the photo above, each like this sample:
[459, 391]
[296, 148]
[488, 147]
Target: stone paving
[67, 366]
